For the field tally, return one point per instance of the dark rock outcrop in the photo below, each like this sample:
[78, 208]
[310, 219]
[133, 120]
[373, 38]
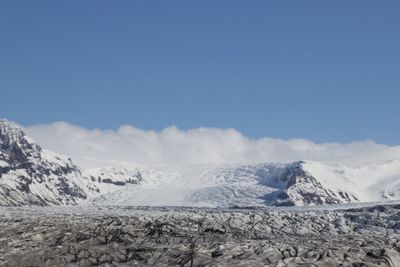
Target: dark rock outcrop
[30, 175]
[302, 189]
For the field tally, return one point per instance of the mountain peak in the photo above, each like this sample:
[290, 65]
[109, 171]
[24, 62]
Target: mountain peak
[15, 147]
[10, 130]
[30, 175]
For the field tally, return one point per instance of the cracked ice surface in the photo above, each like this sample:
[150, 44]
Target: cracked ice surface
[174, 236]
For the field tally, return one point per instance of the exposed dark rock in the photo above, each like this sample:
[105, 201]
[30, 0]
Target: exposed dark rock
[109, 181]
[301, 187]
[24, 166]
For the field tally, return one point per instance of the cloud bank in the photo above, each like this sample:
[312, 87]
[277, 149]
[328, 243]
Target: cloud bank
[201, 145]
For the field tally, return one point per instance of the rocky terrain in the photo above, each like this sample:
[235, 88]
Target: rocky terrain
[115, 236]
[31, 175]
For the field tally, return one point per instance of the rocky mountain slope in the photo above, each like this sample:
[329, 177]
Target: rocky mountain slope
[31, 175]
[272, 184]
[282, 185]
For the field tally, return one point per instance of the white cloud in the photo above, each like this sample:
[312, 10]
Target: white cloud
[201, 145]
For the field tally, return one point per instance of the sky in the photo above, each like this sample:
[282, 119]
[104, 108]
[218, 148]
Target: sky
[326, 71]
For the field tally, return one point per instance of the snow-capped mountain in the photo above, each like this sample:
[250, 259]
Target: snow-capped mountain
[31, 175]
[272, 184]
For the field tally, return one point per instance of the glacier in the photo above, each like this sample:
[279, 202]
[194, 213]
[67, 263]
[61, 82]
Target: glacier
[32, 175]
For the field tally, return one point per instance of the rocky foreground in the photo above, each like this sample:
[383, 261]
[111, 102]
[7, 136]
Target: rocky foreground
[111, 236]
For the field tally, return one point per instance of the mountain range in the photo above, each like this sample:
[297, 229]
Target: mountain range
[32, 175]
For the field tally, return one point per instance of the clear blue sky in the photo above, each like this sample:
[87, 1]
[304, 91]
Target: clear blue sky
[323, 70]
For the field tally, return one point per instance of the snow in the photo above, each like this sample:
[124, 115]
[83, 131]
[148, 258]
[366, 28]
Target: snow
[368, 182]
[110, 182]
[3, 163]
[199, 185]
[246, 184]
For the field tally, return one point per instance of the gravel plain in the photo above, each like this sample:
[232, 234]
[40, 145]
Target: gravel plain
[143, 236]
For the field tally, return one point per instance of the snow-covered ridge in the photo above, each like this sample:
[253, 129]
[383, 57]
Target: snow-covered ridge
[275, 184]
[302, 183]
[30, 175]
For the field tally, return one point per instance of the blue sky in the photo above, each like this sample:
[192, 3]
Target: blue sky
[322, 70]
